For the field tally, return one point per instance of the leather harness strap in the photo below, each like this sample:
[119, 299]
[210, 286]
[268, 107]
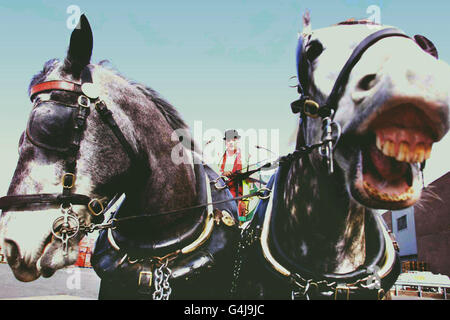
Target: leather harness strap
[54, 85]
[311, 108]
[42, 198]
[356, 55]
[107, 118]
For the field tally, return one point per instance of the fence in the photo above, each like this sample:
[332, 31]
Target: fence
[422, 284]
[413, 265]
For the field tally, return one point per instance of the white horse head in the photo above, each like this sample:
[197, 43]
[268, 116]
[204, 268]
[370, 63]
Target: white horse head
[394, 107]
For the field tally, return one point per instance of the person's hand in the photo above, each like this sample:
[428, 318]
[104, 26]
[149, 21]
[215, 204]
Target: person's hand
[227, 174]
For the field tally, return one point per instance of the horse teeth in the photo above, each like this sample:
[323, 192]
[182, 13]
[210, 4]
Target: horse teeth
[383, 196]
[420, 153]
[379, 143]
[405, 145]
[403, 152]
[389, 148]
[427, 152]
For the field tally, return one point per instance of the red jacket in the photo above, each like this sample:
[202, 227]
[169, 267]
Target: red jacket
[235, 187]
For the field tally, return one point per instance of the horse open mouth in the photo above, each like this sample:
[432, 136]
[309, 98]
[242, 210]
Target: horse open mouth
[398, 140]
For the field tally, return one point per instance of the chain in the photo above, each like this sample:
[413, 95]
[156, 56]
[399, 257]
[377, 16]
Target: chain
[247, 239]
[101, 226]
[303, 287]
[162, 286]
[236, 270]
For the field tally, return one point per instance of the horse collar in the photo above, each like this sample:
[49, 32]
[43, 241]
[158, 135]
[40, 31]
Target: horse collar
[175, 259]
[370, 279]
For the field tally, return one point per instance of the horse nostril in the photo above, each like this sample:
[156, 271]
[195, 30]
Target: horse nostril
[12, 252]
[367, 82]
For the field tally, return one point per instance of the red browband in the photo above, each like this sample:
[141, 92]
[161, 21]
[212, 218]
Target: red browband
[54, 85]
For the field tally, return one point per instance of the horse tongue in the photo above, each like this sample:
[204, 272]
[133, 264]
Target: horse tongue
[388, 168]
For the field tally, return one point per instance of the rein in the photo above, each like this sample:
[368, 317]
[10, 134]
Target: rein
[262, 193]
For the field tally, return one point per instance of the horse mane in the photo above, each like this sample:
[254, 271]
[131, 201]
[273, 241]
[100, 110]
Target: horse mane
[172, 116]
[169, 112]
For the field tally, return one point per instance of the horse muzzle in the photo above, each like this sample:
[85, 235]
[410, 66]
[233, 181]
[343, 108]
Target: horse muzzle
[31, 247]
[393, 139]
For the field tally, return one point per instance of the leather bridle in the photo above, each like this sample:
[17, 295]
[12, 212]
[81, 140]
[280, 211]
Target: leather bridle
[68, 225]
[307, 107]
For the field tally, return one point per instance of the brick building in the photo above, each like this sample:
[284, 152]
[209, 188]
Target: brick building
[423, 231]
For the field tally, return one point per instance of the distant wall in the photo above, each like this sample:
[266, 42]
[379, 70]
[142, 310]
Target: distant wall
[432, 217]
[431, 222]
[406, 237]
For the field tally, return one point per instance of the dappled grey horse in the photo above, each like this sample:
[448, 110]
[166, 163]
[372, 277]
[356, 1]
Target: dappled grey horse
[98, 154]
[372, 103]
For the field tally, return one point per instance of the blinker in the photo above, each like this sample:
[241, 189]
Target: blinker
[50, 126]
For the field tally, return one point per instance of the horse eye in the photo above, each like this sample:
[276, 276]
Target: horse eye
[313, 50]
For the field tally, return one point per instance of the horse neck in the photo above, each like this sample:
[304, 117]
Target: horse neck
[325, 228]
[163, 185]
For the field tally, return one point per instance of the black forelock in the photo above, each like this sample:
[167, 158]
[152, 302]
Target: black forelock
[42, 75]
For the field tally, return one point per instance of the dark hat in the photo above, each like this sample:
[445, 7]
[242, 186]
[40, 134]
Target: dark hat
[231, 134]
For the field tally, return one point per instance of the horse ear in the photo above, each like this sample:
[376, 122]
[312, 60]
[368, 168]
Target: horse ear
[426, 45]
[306, 23]
[80, 48]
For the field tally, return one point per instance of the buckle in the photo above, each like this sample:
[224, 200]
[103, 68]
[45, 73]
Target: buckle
[145, 282]
[261, 196]
[146, 276]
[311, 108]
[68, 180]
[94, 203]
[342, 287]
[100, 106]
[217, 185]
[84, 101]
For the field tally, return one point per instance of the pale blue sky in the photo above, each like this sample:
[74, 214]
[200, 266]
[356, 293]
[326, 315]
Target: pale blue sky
[213, 60]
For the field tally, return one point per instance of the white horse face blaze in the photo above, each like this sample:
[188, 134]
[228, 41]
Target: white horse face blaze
[394, 107]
